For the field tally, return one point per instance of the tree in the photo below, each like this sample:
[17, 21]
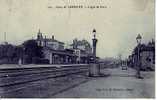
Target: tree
[87, 45]
[75, 43]
[120, 58]
[32, 50]
[8, 53]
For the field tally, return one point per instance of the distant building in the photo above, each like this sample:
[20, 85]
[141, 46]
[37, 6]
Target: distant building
[147, 56]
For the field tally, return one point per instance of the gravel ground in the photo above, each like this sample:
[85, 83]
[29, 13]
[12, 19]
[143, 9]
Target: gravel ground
[45, 88]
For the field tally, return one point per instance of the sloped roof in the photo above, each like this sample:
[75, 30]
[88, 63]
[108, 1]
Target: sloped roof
[51, 40]
[65, 52]
[61, 52]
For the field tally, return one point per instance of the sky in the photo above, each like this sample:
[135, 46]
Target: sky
[117, 24]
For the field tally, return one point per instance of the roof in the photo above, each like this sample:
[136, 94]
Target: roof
[61, 52]
[68, 52]
[51, 40]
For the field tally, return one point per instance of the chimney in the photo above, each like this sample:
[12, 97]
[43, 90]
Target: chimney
[53, 37]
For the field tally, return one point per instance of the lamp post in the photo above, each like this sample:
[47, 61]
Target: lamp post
[138, 39]
[94, 69]
[94, 44]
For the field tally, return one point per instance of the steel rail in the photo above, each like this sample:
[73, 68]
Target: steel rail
[60, 73]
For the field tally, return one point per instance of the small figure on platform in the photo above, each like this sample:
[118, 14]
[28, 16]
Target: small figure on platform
[20, 62]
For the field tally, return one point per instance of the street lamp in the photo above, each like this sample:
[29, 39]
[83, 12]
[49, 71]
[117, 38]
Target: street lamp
[94, 44]
[94, 33]
[138, 39]
[94, 69]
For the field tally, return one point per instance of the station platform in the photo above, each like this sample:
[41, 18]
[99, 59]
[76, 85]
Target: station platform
[16, 66]
[115, 86]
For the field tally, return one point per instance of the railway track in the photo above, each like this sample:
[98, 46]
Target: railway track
[12, 77]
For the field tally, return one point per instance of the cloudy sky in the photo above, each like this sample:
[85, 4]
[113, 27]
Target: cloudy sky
[117, 25]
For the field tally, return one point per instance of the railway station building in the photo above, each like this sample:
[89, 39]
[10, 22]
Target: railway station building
[56, 53]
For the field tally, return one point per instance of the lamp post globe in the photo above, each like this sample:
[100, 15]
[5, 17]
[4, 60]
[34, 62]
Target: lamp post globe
[94, 33]
[94, 43]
